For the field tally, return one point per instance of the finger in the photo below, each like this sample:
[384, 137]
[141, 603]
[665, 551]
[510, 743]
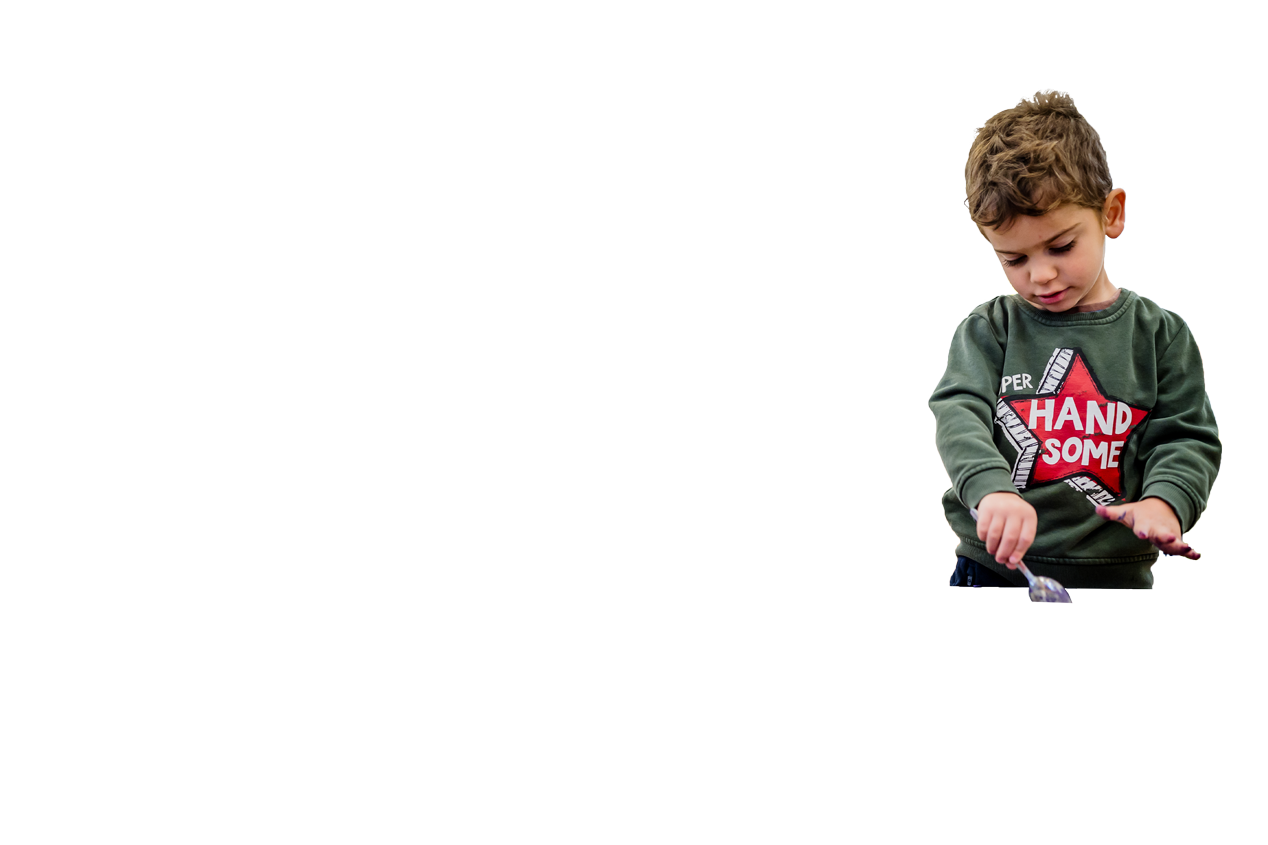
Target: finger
[1178, 548]
[1147, 530]
[993, 533]
[989, 528]
[1029, 526]
[1183, 551]
[1170, 543]
[1008, 541]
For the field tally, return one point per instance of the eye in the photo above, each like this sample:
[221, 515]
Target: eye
[1013, 262]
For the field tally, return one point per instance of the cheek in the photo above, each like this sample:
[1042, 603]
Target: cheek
[1086, 263]
[1017, 275]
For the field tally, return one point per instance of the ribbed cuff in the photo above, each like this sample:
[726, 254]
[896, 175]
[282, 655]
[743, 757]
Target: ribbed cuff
[1173, 494]
[987, 481]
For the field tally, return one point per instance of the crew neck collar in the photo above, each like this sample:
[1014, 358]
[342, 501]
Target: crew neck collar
[1099, 306]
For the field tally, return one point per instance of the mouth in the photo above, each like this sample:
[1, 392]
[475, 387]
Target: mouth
[1049, 299]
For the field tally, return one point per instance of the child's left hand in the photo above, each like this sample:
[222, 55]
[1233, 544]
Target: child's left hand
[1151, 519]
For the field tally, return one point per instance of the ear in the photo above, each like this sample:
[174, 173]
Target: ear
[1114, 215]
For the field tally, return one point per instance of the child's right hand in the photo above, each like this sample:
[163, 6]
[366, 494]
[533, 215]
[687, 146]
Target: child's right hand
[1006, 523]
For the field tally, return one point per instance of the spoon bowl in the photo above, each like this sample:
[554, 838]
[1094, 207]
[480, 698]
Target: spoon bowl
[1043, 588]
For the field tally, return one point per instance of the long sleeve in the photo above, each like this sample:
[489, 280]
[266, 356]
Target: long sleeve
[1180, 445]
[964, 406]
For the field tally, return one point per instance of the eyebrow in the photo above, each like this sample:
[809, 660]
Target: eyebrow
[1045, 243]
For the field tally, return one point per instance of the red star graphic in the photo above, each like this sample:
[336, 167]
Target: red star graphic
[1081, 430]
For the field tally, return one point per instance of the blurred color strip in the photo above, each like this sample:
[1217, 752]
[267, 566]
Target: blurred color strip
[1198, 312]
[1217, 504]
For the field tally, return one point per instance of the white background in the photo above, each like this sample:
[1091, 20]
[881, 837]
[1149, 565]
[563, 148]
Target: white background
[475, 422]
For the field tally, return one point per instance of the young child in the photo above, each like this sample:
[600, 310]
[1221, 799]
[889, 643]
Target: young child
[1073, 414]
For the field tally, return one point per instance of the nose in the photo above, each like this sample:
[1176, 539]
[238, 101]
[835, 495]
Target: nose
[1042, 275]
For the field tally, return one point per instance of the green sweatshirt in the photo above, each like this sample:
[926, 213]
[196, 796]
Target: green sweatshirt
[1073, 410]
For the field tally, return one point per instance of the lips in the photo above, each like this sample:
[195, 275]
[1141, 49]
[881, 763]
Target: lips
[1052, 297]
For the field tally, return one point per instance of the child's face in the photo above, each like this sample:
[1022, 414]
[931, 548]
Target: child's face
[1057, 261]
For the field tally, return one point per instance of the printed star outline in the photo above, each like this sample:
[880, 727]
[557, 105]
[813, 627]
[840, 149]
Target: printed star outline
[1080, 385]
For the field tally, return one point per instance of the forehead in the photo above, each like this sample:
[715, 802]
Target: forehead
[1024, 233]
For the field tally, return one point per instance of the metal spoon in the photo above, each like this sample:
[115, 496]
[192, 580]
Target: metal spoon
[1041, 588]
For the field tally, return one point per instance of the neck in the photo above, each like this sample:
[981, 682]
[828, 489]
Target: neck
[1103, 289]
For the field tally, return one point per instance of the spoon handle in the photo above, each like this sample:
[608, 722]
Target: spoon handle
[1026, 572]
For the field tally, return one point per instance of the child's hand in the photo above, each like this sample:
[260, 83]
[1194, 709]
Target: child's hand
[1151, 519]
[1006, 523]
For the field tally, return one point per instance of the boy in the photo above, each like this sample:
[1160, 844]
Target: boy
[1073, 415]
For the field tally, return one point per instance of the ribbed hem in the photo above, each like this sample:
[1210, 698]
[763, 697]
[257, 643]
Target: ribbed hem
[1131, 573]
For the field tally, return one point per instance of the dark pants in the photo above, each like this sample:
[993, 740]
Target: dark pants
[970, 573]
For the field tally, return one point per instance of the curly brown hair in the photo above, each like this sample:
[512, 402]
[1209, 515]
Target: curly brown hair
[1033, 158]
